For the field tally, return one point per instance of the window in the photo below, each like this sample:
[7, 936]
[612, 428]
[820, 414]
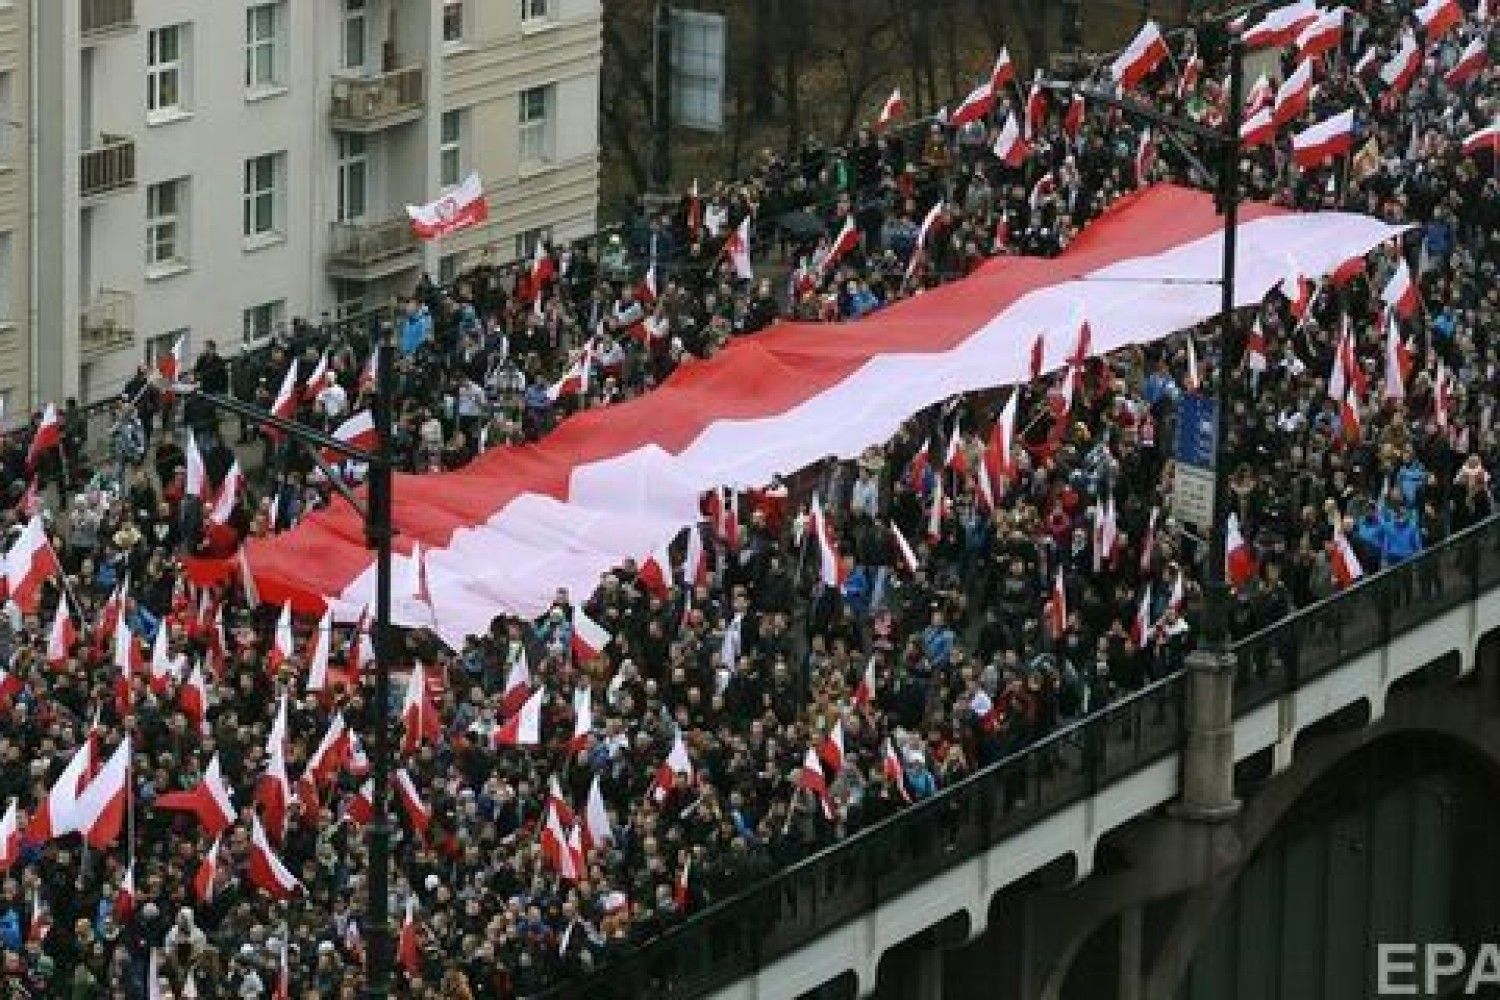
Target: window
[448, 268]
[9, 129]
[263, 176]
[535, 10]
[352, 177]
[353, 54]
[349, 298]
[453, 20]
[263, 320]
[161, 346]
[536, 131]
[7, 278]
[451, 148]
[526, 242]
[166, 223]
[262, 28]
[164, 62]
[698, 70]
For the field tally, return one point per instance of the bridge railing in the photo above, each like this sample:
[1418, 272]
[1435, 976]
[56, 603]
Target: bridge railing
[735, 936]
[1383, 606]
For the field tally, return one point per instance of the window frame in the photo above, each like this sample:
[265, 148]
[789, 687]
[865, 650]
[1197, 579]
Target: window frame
[530, 15]
[353, 16]
[173, 221]
[535, 151]
[451, 7]
[451, 147]
[159, 69]
[259, 45]
[274, 313]
[253, 193]
[350, 165]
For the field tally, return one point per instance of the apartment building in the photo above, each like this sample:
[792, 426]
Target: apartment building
[217, 168]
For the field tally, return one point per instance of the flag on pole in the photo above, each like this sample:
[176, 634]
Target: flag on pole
[460, 207]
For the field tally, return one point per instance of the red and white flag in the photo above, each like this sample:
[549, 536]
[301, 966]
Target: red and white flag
[419, 716]
[1280, 26]
[229, 495]
[830, 563]
[30, 562]
[1327, 140]
[1258, 129]
[283, 646]
[864, 692]
[418, 812]
[210, 800]
[694, 209]
[980, 102]
[847, 240]
[1261, 95]
[124, 904]
[655, 572]
[1322, 34]
[923, 232]
[289, 395]
[596, 827]
[737, 249]
[170, 363]
[1057, 606]
[904, 550]
[677, 762]
[524, 729]
[575, 379]
[357, 432]
[1487, 138]
[1401, 69]
[196, 479]
[1349, 418]
[192, 696]
[61, 637]
[810, 777]
[273, 792]
[1140, 625]
[1442, 395]
[1438, 17]
[1400, 293]
[206, 875]
[100, 809]
[1239, 557]
[1003, 72]
[1148, 541]
[266, 870]
[331, 755]
[10, 837]
[890, 766]
[589, 637]
[1398, 360]
[583, 718]
[831, 749]
[893, 108]
[1297, 288]
[517, 684]
[359, 808]
[1472, 62]
[1343, 562]
[460, 207]
[1145, 51]
[56, 815]
[1011, 148]
[1073, 117]
[1292, 96]
[1187, 82]
[408, 947]
[1145, 158]
[48, 436]
[1036, 109]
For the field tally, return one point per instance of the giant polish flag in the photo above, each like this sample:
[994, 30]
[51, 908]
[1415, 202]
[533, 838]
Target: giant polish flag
[503, 533]
[457, 208]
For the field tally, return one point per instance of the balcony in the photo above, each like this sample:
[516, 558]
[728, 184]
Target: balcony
[365, 251]
[109, 166]
[104, 18]
[371, 103]
[106, 325]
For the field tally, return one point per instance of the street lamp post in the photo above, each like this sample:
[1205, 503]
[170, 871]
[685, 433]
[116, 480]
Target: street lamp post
[378, 534]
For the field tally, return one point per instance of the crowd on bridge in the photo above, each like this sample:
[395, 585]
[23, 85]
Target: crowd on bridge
[705, 723]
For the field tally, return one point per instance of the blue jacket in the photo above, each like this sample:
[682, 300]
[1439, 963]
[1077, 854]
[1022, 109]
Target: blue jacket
[415, 329]
[1411, 478]
[1403, 539]
[857, 592]
[1371, 532]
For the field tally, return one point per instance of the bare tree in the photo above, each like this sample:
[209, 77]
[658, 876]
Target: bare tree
[626, 85]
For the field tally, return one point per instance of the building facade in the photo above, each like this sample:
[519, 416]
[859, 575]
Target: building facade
[214, 170]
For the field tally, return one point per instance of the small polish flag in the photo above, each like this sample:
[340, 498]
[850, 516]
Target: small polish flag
[1442, 396]
[517, 684]
[864, 691]
[359, 809]
[1297, 288]
[583, 718]
[1349, 418]
[1344, 563]
[1486, 138]
[1438, 17]
[319, 652]
[1239, 557]
[419, 716]
[694, 208]
[1398, 360]
[830, 563]
[1036, 109]
[266, 871]
[847, 240]
[207, 874]
[193, 697]
[1038, 355]
[831, 749]
[55, 815]
[923, 231]
[1292, 96]
[48, 436]
[589, 637]
[331, 754]
[1319, 144]
[210, 800]
[682, 889]
[10, 837]
[1148, 541]
[1187, 83]
[289, 395]
[737, 249]
[30, 562]
[904, 550]
[1083, 344]
[418, 813]
[893, 108]
[980, 102]
[197, 478]
[1400, 293]
[596, 827]
[1323, 34]
[1140, 626]
[1368, 64]
[1145, 158]
[1003, 72]
[890, 766]
[1010, 148]
[408, 948]
[1258, 130]
[677, 762]
[810, 777]
[357, 432]
[655, 572]
[101, 806]
[61, 637]
[1057, 606]
[1145, 51]
[1255, 347]
[524, 729]
[1261, 95]
[229, 495]
[170, 363]
[1280, 26]
[283, 646]
[1401, 69]
[273, 792]
[1073, 117]
[1475, 57]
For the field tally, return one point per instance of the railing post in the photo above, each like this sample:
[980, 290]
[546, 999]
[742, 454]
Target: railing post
[1208, 740]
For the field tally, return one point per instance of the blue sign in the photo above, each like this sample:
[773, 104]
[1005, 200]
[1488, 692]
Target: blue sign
[1197, 430]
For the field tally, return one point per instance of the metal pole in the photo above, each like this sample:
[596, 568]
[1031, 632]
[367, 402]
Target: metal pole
[1216, 610]
[378, 533]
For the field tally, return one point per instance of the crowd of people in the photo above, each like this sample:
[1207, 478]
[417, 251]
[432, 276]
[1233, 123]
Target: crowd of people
[521, 867]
